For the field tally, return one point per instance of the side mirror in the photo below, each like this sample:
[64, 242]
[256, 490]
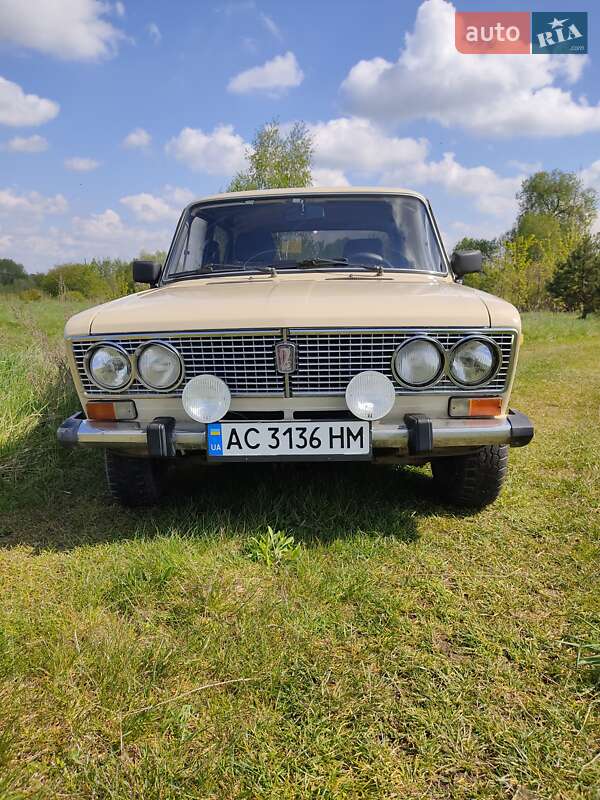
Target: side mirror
[146, 271]
[464, 262]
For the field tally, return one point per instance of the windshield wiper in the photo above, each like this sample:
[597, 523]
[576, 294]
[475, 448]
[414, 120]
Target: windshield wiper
[337, 262]
[322, 262]
[214, 268]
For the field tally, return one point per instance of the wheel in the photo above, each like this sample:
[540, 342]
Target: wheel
[133, 481]
[474, 480]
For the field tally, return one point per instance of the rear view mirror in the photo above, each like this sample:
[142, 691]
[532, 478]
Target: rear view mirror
[465, 262]
[146, 271]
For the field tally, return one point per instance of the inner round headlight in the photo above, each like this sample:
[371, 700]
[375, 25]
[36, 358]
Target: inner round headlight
[370, 395]
[473, 361]
[109, 367]
[418, 362]
[206, 398]
[159, 366]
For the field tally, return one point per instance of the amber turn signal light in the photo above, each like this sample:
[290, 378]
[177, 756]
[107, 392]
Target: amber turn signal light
[104, 411]
[475, 406]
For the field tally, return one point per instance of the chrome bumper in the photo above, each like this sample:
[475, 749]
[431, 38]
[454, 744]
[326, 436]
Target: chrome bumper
[440, 434]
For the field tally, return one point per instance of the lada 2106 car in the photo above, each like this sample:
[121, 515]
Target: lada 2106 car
[301, 324]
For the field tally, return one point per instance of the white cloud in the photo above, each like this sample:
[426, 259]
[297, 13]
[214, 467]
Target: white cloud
[221, 152]
[119, 9]
[27, 144]
[271, 26]
[31, 202]
[178, 195]
[78, 164]
[138, 138]
[154, 208]
[154, 32]
[67, 29]
[492, 95]
[19, 109]
[351, 143]
[357, 146]
[591, 176]
[148, 207]
[323, 176]
[281, 73]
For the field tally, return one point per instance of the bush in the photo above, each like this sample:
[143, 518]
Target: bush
[82, 278]
[31, 295]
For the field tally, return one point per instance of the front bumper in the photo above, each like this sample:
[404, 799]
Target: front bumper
[419, 436]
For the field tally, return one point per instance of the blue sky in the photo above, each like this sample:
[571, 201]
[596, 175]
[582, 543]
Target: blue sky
[114, 114]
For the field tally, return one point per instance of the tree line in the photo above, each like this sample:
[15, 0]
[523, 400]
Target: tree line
[549, 259]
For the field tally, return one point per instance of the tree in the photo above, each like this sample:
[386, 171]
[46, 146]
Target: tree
[276, 161]
[488, 247]
[10, 272]
[158, 256]
[577, 279]
[83, 278]
[560, 195]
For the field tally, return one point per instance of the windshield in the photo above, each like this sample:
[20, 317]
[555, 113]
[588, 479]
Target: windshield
[386, 231]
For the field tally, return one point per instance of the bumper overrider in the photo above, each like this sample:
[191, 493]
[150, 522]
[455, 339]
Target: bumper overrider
[420, 435]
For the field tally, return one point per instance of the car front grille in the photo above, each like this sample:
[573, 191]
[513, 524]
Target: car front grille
[326, 359]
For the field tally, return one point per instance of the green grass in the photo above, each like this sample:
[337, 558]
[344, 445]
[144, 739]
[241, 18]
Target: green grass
[405, 651]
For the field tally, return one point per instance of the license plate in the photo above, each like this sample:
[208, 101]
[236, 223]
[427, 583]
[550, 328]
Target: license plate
[281, 441]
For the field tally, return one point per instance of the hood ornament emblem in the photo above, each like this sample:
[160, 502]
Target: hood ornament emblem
[285, 357]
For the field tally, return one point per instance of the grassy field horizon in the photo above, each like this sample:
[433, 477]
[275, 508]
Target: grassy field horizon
[405, 651]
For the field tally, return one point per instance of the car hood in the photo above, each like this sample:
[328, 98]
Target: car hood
[292, 301]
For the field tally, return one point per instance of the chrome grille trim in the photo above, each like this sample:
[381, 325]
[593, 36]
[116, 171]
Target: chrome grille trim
[243, 360]
[327, 359]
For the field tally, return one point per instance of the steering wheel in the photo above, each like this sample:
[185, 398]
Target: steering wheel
[372, 257]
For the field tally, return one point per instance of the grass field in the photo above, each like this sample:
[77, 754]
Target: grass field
[406, 651]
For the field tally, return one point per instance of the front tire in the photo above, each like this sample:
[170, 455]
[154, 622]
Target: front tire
[133, 482]
[473, 480]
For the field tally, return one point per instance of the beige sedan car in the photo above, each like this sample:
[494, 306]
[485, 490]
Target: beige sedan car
[301, 324]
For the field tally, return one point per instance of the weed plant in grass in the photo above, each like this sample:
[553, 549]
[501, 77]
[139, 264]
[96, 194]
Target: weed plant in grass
[404, 651]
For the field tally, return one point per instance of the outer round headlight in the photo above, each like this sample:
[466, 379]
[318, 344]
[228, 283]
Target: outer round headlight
[109, 366]
[370, 395]
[206, 398]
[473, 361]
[159, 366]
[418, 362]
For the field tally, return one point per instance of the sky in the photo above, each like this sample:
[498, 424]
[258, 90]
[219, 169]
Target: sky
[114, 115]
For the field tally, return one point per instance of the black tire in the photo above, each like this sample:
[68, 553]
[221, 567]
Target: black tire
[474, 480]
[133, 482]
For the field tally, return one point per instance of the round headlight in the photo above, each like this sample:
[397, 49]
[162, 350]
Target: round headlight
[206, 398]
[473, 361]
[109, 366]
[418, 362]
[370, 395]
[159, 366]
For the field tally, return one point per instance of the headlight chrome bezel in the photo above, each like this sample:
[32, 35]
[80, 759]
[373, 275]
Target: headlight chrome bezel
[440, 373]
[166, 346]
[496, 353]
[115, 346]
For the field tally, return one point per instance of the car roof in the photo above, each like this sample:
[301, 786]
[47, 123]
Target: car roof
[308, 191]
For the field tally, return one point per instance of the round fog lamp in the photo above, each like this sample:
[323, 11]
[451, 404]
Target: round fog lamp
[206, 398]
[370, 395]
[109, 366]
